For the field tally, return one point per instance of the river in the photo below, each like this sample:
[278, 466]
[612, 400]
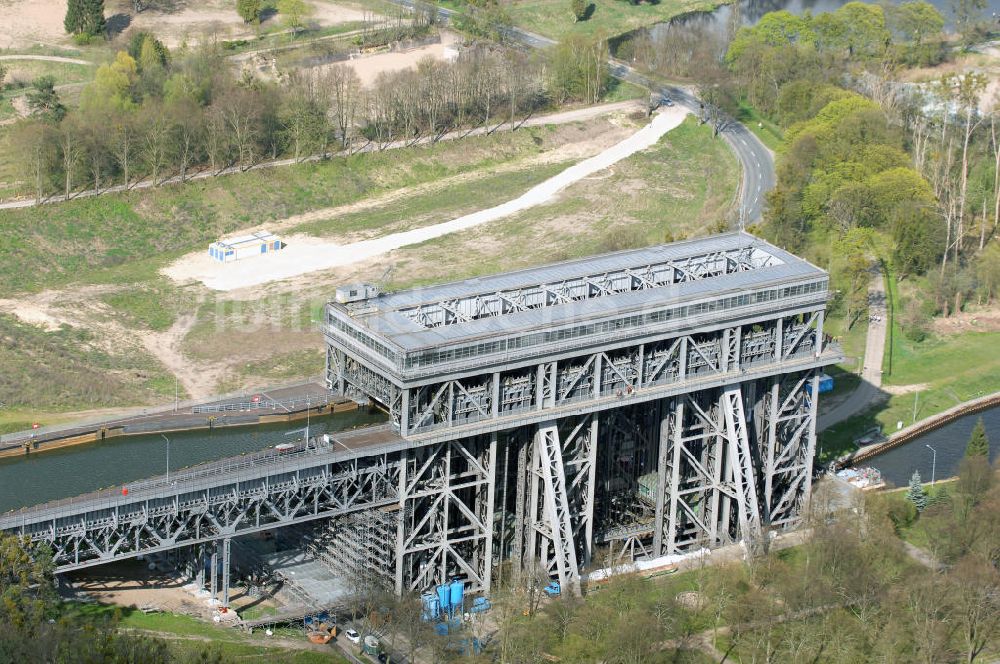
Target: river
[71, 471]
[693, 32]
[898, 464]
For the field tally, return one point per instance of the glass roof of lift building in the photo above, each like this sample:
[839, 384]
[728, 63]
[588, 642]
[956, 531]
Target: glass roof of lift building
[593, 288]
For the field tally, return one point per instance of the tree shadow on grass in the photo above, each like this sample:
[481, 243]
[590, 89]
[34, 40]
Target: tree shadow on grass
[117, 24]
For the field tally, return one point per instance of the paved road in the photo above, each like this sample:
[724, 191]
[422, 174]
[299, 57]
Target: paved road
[755, 159]
[868, 391]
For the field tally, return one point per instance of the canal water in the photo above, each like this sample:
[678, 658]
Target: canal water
[71, 471]
[898, 464]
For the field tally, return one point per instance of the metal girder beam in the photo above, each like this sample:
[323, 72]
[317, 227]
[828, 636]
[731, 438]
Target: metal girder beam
[741, 464]
[555, 523]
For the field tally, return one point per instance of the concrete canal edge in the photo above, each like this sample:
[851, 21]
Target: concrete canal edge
[77, 434]
[918, 429]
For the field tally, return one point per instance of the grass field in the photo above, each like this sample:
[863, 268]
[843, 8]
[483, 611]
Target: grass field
[54, 244]
[187, 636]
[437, 206]
[553, 18]
[65, 369]
[955, 368]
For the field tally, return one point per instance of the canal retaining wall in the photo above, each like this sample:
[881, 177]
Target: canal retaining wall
[282, 404]
[918, 429]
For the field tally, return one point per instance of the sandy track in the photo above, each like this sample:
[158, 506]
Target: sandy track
[307, 254]
[46, 58]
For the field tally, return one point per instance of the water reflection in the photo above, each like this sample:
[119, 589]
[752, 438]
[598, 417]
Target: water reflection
[690, 33]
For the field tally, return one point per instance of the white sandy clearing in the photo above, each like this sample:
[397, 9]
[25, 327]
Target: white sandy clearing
[306, 254]
[368, 67]
[219, 18]
[28, 22]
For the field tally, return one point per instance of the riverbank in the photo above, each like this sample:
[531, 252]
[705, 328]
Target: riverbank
[285, 404]
[918, 429]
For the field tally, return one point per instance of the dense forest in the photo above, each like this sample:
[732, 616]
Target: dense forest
[873, 167]
[869, 168]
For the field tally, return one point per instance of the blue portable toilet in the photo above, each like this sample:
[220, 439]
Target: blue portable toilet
[825, 383]
[444, 598]
[457, 596]
[430, 610]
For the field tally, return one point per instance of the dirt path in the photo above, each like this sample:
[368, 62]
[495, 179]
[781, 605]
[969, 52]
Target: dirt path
[280, 644]
[309, 254]
[563, 153]
[198, 378]
[47, 58]
[868, 391]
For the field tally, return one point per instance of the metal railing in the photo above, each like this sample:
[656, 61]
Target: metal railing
[136, 415]
[266, 403]
[221, 472]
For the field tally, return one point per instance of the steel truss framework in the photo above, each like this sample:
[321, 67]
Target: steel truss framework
[643, 277]
[183, 513]
[729, 460]
[722, 419]
[628, 447]
[496, 398]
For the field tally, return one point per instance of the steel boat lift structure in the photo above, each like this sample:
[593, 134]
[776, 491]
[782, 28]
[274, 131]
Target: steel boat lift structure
[557, 419]
[652, 402]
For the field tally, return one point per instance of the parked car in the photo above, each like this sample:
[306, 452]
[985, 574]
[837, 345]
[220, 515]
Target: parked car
[353, 636]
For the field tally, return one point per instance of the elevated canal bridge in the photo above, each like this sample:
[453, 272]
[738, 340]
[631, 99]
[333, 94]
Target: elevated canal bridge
[640, 403]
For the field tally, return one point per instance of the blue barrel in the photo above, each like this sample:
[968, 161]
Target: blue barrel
[444, 596]
[457, 595]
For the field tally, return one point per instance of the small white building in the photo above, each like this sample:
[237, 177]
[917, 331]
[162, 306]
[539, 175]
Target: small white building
[245, 246]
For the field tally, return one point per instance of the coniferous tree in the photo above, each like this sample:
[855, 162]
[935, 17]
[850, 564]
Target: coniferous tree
[74, 17]
[93, 19]
[979, 444]
[916, 493]
[84, 17]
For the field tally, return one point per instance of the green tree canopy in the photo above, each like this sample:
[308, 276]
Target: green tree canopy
[915, 21]
[915, 494]
[249, 10]
[43, 101]
[84, 17]
[112, 86]
[979, 444]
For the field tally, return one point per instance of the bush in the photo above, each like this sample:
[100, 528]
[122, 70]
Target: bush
[249, 10]
[901, 512]
[915, 319]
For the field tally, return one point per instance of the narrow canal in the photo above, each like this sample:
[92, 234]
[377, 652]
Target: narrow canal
[898, 464]
[71, 471]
